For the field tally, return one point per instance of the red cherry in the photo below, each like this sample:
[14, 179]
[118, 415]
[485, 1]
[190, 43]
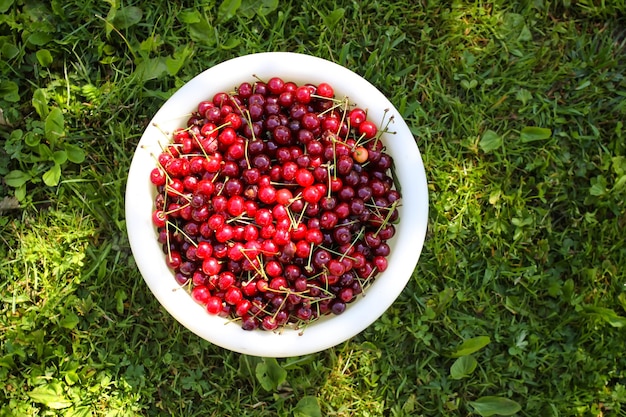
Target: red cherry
[200, 294]
[312, 194]
[159, 218]
[304, 177]
[303, 94]
[227, 136]
[224, 234]
[212, 163]
[173, 260]
[226, 280]
[214, 305]
[357, 116]
[284, 196]
[211, 266]
[233, 296]
[368, 129]
[235, 205]
[263, 217]
[234, 120]
[157, 177]
[276, 85]
[242, 307]
[267, 194]
[204, 250]
[325, 90]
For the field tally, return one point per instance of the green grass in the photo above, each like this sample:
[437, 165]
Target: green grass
[525, 243]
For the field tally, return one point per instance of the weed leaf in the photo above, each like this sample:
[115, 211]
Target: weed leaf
[32, 140]
[54, 125]
[59, 157]
[74, 153]
[44, 57]
[51, 395]
[470, 346]
[9, 91]
[40, 103]
[227, 10]
[127, 17]
[247, 365]
[39, 38]
[622, 300]
[531, 134]
[490, 141]
[463, 367]
[9, 51]
[52, 176]
[606, 314]
[4, 5]
[202, 32]
[69, 321]
[334, 17]
[82, 411]
[16, 178]
[307, 407]
[176, 62]
[251, 7]
[598, 186]
[151, 69]
[270, 374]
[495, 406]
[44, 152]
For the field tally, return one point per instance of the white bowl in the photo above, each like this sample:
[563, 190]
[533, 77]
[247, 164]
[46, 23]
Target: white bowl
[406, 245]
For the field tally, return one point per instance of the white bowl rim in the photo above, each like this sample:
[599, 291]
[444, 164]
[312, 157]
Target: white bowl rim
[406, 245]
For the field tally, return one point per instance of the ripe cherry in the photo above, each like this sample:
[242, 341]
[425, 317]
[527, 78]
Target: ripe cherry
[157, 177]
[304, 177]
[368, 129]
[214, 305]
[200, 294]
[325, 90]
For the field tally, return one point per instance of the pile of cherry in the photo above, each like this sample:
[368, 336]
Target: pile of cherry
[275, 204]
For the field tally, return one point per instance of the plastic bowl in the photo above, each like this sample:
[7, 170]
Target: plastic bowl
[406, 245]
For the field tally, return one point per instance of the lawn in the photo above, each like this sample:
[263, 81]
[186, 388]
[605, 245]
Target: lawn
[517, 305]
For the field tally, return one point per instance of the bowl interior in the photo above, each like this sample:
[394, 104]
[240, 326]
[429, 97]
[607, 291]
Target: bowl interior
[406, 245]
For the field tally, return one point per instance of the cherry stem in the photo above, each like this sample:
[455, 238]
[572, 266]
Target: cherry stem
[182, 233]
[357, 237]
[390, 211]
[343, 255]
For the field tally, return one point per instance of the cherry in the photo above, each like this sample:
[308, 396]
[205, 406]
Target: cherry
[233, 296]
[204, 250]
[276, 85]
[304, 177]
[267, 194]
[242, 306]
[211, 266]
[368, 129]
[159, 218]
[338, 307]
[312, 194]
[269, 323]
[174, 260]
[157, 177]
[214, 305]
[224, 234]
[303, 94]
[200, 294]
[325, 90]
[357, 116]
